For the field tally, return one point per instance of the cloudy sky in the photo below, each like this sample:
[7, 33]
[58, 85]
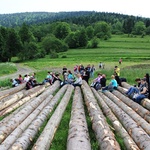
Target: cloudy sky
[129, 7]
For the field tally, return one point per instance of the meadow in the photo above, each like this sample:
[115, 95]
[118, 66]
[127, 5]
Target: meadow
[134, 51]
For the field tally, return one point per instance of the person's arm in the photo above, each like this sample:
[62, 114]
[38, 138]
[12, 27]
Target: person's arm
[144, 90]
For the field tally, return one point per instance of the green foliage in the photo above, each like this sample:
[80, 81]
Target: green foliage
[25, 34]
[93, 43]
[102, 30]
[51, 43]
[53, 54]
[5, 83]
[61, 30]
[139, 28]
[29, 51]
[77, 39]
[90, 32]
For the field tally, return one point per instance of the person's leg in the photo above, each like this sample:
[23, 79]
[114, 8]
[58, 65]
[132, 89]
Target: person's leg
[105, 88]
[133, 90]
[139, 98]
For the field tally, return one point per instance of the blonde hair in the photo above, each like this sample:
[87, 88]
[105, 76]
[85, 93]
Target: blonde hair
[112, 76]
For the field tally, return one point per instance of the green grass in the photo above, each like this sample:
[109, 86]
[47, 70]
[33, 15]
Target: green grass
[134, 51]
[60, 138]
[7, 68]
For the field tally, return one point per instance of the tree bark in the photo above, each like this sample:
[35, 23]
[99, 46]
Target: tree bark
[128, 141]
[45, 139]
[7, 101]
[144, 113]
[139, 135]
[145, 102]
[20, 128]
[78, 137]
[19, 117]
[104, 135]
[12, 90]
[141, 122]
[24, 141]
[30, 94]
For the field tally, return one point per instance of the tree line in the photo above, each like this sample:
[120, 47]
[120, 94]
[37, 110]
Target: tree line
[37, 40]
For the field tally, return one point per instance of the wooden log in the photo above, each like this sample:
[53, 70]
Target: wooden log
[78, 137]
[144, 113]
[20, 128]
[8, 117]
[12, 90]
[128, 141]
[141, 121]
[47, 135]
[104, 135]
[6, 101]
[31, 93]
[125, 85]
[145, 102]
[140, 137]
[2, 122]
[35, 125]
[19, 117]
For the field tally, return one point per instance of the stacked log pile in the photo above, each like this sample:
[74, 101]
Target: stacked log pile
[24, 112]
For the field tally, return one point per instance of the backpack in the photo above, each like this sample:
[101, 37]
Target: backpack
[97, 86]
[18, 81]
[28, 85]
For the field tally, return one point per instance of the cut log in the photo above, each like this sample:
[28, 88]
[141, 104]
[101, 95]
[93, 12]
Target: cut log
[128, 141]
[140, 137]
[12, 90]
[31, 93]
[104, 135]
[22, 106]
[6, 101]
[47, 135]
[18, 131]
[144, 113]
[125, 85]
[4, 120]
[141, 122]
[19, 117]
[78, 137]
[33, 128]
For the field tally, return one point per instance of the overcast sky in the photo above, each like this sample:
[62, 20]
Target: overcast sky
[129, 7]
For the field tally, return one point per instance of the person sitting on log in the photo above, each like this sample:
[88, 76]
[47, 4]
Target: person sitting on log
[112, 85]
[138, 93]
[96, 82]
[143, 91]
[48, 78]
[14, 82]
[134, 89]
[78, 81]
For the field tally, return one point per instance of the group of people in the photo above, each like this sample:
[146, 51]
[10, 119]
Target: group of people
[137, 93]
[28, 79]
[141, 90]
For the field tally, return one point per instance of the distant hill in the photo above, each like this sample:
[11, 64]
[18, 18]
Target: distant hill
[77, 17]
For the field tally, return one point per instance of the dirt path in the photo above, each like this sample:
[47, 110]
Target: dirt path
[20, 70]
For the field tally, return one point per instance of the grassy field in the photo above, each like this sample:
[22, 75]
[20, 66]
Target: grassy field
[134, 51]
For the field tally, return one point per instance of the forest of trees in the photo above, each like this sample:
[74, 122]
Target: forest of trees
[34, 35]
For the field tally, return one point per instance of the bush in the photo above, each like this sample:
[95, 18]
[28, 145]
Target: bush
[63, 56]
[53, 54]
